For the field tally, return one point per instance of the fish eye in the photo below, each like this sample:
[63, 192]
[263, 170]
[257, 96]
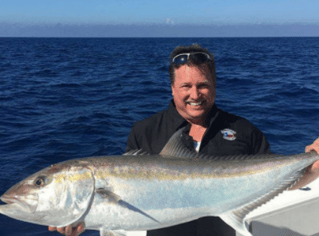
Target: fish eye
[40, 181]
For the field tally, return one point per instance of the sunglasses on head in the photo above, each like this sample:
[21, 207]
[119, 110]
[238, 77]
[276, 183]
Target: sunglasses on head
[199, 57]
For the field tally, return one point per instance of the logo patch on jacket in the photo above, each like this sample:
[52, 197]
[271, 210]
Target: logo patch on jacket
[228, 134]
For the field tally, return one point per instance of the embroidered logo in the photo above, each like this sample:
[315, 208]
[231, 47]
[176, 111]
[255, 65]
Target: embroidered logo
[228, 134]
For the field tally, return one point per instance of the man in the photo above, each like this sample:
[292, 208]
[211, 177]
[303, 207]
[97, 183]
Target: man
[209, 130]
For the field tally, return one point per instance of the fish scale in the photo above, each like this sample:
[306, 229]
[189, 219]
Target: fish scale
[136, 191]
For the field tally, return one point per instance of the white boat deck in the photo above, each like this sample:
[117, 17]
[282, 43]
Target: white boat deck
[293, 213]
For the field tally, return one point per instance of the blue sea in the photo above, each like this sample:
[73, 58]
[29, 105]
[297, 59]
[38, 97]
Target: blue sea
[65, 98]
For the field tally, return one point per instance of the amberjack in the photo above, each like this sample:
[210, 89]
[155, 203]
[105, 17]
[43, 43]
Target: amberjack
[137, 191]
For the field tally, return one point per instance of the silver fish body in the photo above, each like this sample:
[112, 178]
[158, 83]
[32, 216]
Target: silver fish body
[134, 192]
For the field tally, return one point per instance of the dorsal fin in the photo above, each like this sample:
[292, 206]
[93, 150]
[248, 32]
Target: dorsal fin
[138, 152]
[236, 218]
[176, 148]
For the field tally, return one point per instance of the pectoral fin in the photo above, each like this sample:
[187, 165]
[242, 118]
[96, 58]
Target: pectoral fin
[112, 197]
[133, 208]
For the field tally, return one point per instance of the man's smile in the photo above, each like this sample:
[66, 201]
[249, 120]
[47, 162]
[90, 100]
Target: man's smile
[192, 103]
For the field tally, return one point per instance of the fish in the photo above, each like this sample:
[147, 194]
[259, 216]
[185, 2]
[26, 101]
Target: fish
[138, 191]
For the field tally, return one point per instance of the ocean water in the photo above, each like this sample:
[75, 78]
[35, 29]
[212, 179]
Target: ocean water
[64, 98]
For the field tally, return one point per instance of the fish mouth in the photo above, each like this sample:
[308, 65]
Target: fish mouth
[8, 200]
[26, 203]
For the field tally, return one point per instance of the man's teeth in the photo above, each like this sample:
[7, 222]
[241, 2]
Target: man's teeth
[195, 103]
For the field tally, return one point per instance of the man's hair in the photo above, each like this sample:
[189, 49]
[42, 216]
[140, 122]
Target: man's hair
[192, 49]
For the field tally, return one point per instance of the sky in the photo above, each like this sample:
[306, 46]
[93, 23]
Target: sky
[167, 18]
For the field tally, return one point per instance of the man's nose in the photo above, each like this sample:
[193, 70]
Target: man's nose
[194, 93]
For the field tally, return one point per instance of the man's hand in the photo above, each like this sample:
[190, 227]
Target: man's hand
[313, 147]
[312, 171]
[69, 231]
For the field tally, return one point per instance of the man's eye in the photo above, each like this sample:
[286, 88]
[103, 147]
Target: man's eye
[203, 86]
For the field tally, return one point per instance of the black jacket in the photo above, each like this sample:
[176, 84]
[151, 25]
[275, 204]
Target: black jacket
[226, 135]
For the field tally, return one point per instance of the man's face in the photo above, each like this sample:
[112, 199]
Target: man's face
[194, 93]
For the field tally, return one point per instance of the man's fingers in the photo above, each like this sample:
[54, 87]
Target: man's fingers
[80, 226]
[51, 228]
[309, 148]
[78, 229]
[68, 230]
[314, 168]
[313, 147]
[61, 230]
